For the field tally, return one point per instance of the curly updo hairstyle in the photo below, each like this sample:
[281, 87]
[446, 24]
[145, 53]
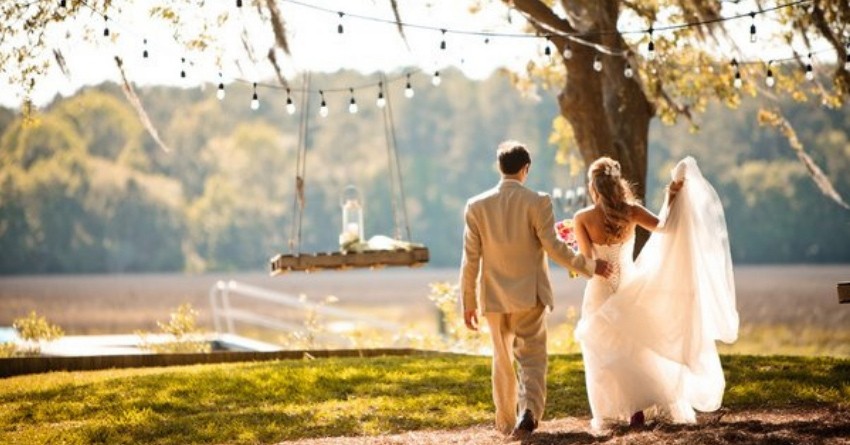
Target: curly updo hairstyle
[612, 193]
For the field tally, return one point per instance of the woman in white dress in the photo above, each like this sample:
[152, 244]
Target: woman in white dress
[648, 331]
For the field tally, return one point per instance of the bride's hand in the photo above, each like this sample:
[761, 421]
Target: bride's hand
[674, 187]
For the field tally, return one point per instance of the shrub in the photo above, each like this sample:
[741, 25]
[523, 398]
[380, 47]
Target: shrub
[185, 335]
[34, 330]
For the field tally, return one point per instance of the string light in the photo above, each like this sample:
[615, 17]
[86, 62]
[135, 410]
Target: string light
[105, 25]
[183, 69]
[753, 36]
[810, 73]
[352, 104]
[220, 93]
[650, 47]
[436, 80]
[381, 102]
[770, 81]
[238, 3]
[290, 106]
[568, 52]
[323, 108]
[255, 100]
[62, 4]
[408, 89]
[339, 29]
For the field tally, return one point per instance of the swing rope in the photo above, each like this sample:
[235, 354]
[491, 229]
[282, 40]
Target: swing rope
[300, 174]
[396, 183]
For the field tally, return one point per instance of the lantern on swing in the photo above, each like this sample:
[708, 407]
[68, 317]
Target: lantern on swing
[352, 219]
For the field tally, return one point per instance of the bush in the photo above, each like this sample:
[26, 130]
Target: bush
[185, 335]
[34, 330]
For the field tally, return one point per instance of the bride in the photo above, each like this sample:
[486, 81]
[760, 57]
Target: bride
[647, 332]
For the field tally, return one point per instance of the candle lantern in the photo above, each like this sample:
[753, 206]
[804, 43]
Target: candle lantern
[352, 218]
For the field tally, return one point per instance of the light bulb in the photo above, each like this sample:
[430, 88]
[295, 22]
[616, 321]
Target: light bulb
[381, 102]
[770, 81]
[547, 51]
[650, 50]
[436, 80]
[810, 73]
[597, 64]
[255, 100]
[62, 3]
[443, 42]
[628, 72]
[145, 52]
[738, 82]
[339, 29]
[290, 107]
[352, 106]
[568, 52]
[753, 37]
[323, 108]
[408, 89]
[220, 93]
[238, 3]
[105, 26]
[183, 69]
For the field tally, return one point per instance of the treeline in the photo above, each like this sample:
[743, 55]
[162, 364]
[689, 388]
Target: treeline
[84, 189]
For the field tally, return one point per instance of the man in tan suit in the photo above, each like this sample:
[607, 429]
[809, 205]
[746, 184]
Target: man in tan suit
[509, 230]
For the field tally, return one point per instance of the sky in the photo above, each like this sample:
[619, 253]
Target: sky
[366, 46]
[315, 44]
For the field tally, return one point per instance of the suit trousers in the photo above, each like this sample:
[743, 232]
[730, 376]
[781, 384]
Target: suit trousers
[520, 337]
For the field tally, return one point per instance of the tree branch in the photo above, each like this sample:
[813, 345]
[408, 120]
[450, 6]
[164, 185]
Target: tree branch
[538, 12]
[821, 24]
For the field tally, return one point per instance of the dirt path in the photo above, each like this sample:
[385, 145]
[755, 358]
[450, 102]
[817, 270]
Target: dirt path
[820, 425]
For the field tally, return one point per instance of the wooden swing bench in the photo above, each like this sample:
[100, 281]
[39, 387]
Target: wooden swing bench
[373, 259]
[389, 252]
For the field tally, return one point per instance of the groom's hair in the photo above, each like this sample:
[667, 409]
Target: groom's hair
[513, 156]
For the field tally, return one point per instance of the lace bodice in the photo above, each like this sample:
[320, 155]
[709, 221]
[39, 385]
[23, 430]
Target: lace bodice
[618, 256]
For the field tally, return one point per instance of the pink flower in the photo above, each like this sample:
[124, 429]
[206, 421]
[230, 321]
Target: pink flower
[565, 230]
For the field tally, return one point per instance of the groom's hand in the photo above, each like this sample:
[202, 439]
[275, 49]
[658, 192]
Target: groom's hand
[602, 268]
[471, 319]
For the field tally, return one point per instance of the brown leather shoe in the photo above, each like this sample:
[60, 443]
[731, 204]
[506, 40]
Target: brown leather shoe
[525, 426]
[638, 420]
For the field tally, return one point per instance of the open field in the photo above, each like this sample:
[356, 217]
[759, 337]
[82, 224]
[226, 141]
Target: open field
[783, 309]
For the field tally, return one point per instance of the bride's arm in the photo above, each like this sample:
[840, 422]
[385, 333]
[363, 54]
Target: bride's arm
[644, 218]
[582, 237]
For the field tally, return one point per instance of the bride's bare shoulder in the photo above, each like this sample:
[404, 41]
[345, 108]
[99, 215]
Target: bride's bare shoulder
[584, 213]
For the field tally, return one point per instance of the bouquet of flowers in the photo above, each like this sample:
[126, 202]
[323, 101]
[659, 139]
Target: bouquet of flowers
[566, 232]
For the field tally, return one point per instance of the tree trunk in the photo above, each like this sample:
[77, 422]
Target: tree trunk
[609, 113]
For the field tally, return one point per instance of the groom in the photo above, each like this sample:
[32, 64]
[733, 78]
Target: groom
[509, 230]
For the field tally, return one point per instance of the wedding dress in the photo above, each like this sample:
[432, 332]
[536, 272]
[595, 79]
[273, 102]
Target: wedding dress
[648, 331]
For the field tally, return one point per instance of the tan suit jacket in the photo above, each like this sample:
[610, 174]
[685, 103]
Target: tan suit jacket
[509, 230]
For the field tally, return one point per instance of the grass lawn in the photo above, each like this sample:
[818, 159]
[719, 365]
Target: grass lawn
[268, 402]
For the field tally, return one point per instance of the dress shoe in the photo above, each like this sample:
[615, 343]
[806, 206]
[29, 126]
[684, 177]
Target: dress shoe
[638, 420]
[525, 426]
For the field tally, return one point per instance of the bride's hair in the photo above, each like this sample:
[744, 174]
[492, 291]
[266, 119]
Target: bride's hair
[613, 194]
